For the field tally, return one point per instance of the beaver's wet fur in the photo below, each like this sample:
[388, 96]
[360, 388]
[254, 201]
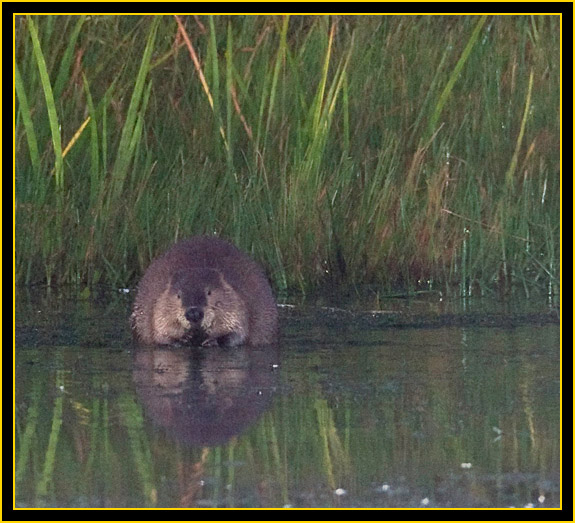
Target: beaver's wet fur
[205, 291]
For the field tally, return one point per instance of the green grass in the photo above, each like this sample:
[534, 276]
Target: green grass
[410, 152]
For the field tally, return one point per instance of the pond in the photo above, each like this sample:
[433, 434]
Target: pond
[405, 403]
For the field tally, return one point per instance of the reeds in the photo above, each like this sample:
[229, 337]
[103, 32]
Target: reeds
[411, 152]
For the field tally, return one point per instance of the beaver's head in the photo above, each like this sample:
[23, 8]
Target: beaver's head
[200, 306]
[195, 289]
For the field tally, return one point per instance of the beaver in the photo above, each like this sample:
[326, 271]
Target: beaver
[204, 291]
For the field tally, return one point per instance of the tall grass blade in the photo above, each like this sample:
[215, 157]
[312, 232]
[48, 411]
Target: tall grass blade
[455, 74]
[50, 105]
[127, 141]
[513, 165]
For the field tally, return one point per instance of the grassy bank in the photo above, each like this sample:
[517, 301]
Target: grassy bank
[412, 152]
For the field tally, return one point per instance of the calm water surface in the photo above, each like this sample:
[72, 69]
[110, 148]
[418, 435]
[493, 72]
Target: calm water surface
[403, 404]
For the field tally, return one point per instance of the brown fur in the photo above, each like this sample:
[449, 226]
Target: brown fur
[205, 291]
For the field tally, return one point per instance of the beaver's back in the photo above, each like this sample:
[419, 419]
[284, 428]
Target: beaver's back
[243, 274]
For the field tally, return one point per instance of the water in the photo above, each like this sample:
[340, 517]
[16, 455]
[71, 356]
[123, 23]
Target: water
[426, 404]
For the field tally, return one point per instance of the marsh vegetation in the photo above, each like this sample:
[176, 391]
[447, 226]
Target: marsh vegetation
[412, 152]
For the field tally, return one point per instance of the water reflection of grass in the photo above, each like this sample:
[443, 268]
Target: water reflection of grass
[296, 455]
[396, 150]
[408, 422]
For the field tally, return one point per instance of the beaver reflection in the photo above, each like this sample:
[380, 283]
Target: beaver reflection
[205, 291]
[205, 399]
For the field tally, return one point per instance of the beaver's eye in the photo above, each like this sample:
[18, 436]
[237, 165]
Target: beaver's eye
[209, 292]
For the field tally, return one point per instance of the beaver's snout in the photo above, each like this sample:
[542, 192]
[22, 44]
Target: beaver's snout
[194, 314]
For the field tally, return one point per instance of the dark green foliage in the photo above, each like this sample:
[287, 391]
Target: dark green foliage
[403, 150]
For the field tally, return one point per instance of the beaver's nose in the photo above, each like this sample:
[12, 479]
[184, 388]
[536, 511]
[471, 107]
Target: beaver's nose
[194, 314]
